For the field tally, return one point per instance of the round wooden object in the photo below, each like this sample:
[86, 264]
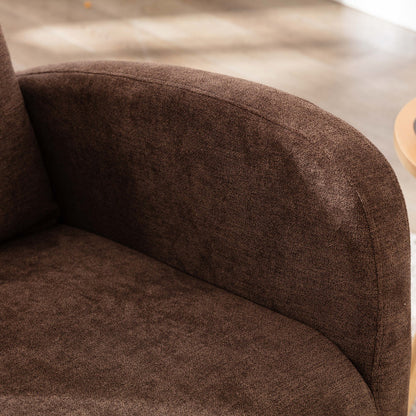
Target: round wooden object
[405, 136]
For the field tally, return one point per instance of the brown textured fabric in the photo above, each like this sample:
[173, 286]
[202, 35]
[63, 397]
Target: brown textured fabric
[246, 187]
[90, 327]
[25, 196]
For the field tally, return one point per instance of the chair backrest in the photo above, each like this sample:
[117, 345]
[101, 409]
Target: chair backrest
[25, 196]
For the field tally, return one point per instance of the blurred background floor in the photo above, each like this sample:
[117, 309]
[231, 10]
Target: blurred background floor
[358, 67]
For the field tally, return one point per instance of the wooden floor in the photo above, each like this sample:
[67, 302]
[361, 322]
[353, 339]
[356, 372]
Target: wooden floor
[358, 67]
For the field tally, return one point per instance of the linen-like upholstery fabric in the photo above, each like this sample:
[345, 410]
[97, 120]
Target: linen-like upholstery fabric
[90, 327]
[243, 186]
[25, 195]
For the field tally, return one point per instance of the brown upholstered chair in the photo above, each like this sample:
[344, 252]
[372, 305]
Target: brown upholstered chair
[177, 242]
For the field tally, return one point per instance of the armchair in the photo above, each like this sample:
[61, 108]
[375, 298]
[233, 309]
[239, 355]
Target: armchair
[177, 242]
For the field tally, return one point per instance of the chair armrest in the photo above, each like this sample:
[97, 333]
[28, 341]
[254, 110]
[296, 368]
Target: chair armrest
[249, 188]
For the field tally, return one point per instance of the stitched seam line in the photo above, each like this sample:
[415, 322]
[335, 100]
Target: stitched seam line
[380, 329]
[379, 332]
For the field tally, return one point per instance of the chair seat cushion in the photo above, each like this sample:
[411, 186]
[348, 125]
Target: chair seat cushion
[90, 327]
